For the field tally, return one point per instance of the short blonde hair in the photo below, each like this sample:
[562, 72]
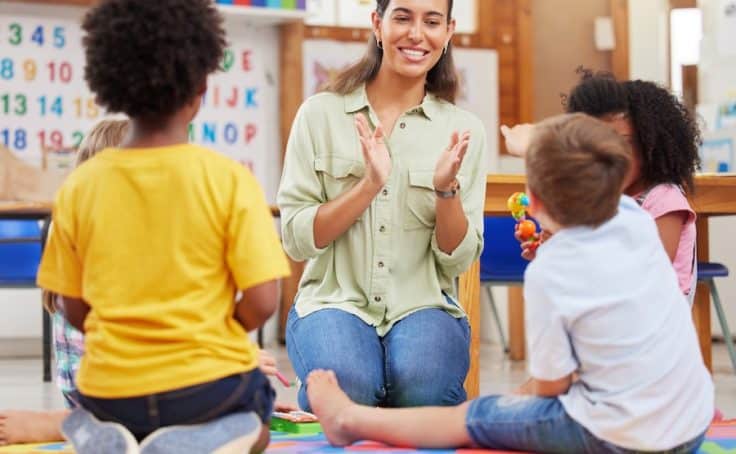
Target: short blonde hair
[105, 134]
[576, 166]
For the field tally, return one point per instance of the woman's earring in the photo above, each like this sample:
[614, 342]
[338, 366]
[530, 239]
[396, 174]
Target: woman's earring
[379, 44]
[444, 51]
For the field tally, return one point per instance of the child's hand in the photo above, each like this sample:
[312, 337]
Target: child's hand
[267, 363]
[528, 249]
[518, 138]
[284, 408]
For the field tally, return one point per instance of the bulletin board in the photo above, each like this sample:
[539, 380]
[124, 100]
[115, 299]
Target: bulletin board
[45, 103]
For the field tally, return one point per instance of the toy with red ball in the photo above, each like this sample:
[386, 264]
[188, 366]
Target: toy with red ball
[518, 205]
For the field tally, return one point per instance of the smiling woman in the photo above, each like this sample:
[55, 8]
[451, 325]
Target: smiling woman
[408, 59]
[382, 194]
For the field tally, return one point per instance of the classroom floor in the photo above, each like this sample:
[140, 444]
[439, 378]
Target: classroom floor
[21, 385]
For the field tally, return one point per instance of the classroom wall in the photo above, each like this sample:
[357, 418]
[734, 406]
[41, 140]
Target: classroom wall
[648, 40]
[563, 40]
[717, 82]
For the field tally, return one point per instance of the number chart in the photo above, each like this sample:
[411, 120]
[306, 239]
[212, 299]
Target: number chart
[45, 102]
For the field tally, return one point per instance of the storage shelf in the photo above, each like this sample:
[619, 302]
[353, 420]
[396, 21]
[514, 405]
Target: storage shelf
[256, 15]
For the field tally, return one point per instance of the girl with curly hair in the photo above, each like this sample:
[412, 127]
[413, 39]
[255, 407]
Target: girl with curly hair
[665, 140]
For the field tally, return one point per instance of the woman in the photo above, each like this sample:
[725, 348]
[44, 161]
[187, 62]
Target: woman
[387, 214]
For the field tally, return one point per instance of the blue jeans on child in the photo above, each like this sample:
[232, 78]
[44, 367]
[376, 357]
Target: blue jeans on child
[423, 360]
[536, 424]
[246, 392]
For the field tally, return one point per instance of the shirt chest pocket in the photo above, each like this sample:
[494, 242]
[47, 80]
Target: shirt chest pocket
[421, 211]
[338, 174]
[420, 201]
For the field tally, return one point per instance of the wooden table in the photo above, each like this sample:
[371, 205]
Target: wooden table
[714, 196]
[24, 210]
[35, 211]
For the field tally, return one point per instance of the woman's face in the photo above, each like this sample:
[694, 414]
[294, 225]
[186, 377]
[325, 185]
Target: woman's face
[622, 124]
[413, 34]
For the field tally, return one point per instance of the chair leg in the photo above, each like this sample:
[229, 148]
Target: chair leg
[46, 346]
[727, 337]
[497, 320]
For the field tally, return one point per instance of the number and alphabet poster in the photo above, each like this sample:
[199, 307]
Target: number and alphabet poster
[45, 102]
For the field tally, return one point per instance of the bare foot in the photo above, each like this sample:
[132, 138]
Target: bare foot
[30, 426]
[331, 405]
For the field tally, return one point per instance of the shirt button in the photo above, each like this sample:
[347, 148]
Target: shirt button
[402, 125]
[384, 192]
[380, 264]
[377, 299]
[382, 228]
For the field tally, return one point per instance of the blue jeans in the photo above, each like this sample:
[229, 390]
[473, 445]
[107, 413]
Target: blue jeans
[536, 424]
[423, 360]
[246, 392]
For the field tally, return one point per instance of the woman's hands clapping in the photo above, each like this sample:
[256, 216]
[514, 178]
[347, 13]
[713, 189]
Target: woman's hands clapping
[450, 160]
[375, 154]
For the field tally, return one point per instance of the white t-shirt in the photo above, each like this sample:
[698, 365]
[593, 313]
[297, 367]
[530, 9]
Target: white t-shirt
[605, 303]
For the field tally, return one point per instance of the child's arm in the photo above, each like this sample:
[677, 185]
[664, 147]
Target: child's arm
[518, 138]
[670, 229]
[257, 304]
[75, 310]
[546, 388]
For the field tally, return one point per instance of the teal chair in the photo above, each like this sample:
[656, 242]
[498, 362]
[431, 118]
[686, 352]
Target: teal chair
[707, 272]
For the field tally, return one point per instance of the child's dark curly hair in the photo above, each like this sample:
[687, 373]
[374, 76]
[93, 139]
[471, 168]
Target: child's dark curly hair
[148, 58]
[668, 136]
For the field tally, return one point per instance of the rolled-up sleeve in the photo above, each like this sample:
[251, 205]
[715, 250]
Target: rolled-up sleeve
[473, 198]
[300, 192]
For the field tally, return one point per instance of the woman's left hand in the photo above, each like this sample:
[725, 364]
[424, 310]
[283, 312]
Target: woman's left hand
[450, 160]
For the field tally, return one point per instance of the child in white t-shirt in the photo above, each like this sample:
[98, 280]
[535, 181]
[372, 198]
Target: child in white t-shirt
[613, 355]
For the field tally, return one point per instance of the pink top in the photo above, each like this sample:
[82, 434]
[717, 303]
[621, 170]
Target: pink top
[668, 198]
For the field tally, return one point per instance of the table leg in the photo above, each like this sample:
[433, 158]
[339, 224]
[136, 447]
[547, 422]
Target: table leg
[517, 342]
[701, 306]
[46, 320]
[46, 346]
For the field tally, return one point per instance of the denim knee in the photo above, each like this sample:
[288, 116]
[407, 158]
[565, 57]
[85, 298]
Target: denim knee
[416, 388]
[336, 340]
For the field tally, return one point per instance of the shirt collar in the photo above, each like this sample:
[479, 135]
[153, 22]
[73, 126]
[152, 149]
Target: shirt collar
[358, 100]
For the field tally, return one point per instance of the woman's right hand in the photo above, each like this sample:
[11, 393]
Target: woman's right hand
[375, 154]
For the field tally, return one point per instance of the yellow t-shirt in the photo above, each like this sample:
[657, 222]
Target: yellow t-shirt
[157, 241]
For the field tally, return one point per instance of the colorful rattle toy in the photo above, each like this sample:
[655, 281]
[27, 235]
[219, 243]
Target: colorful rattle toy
[518, 203]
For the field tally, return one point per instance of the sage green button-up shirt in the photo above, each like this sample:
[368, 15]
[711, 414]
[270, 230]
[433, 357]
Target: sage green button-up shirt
[387, 265]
